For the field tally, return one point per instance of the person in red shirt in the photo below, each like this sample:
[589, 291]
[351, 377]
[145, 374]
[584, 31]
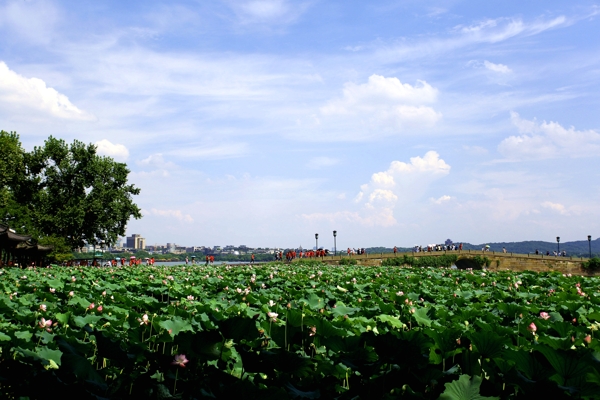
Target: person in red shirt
[252, 259]
[395, 249]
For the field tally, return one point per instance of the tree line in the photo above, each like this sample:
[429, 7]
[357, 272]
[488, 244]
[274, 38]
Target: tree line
[64, 195]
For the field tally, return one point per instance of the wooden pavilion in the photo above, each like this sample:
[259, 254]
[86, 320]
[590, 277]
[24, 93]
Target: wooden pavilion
[17, 249]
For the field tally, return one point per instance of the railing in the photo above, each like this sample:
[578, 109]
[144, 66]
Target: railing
[458, 252]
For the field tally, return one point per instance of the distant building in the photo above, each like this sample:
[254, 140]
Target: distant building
[136, 241]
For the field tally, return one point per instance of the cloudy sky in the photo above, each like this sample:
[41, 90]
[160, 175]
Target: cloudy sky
[263, 122]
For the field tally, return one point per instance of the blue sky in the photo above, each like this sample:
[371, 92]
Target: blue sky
[263, 122]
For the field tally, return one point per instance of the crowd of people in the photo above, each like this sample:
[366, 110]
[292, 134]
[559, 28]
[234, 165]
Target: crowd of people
[108, 263]
[293, 254]
[555, 253]
[352, 252]
[435, 247]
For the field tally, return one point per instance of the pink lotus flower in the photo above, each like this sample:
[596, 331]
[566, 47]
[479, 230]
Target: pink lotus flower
[587, 339]
[45, 323]
[71, 293]
[43, 307]
[180, 360]
[313, 331]
[92, 306]
[273, 316]
[144, 320]
[190, 297]
[52, 290]
[73, 279]
[99, 308]
[544, 315]
[532, 328]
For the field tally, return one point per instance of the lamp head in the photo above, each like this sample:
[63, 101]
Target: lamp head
[316, 235]
[334, 233]
[558, 239]
[589, 238]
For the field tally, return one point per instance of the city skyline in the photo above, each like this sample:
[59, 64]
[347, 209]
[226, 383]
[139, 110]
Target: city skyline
[266, 121]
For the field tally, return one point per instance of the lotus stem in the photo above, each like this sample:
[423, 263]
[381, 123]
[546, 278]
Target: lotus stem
[175, 384]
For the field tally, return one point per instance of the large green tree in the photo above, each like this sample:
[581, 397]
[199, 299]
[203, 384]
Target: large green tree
[15, 189]
[68, 193]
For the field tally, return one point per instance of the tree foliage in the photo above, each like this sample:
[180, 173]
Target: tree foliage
[66, 195]
[13, 185]
[592, 264]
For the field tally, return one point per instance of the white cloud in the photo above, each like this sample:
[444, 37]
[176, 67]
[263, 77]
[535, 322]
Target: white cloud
[177, 214]
[441, 200]
[500, 68]
[267, 11]
[321, 162]
[16, 91]
[490, 66]
[475, 150]
[557, 207]
[33, 21]
[381, 107]
[487, 31]
[117, 151]
[228, 150]
[497, 30]
[380, 91]
[156, 161]
[402, 183]
[548, 140]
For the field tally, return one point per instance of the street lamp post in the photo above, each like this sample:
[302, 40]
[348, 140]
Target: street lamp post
[558, 244]
[317, 241]
[334, 244]
[590, 244]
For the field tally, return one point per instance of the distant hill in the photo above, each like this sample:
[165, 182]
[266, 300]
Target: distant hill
[578, 248]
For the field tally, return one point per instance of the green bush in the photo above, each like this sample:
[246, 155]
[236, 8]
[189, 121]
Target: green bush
[445, 260]
[348, 261]
[592, 264]
[482, 261]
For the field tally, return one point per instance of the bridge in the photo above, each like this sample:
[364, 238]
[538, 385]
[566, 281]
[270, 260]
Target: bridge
[499, 260]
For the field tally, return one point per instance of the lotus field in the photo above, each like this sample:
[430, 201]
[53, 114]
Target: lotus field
[304, 330]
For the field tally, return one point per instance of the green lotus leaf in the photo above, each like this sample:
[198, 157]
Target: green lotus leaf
[87, 320]
[464, 388]
[420, 315]
[393, 321]
[24, 335]
[176, 325]
[341, 310]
